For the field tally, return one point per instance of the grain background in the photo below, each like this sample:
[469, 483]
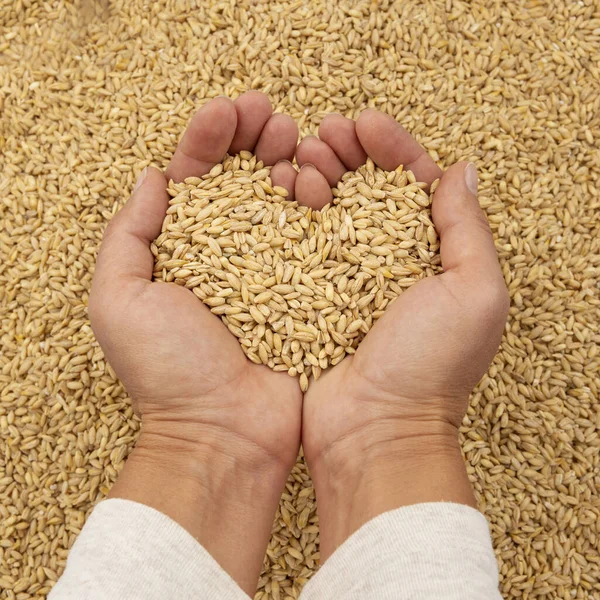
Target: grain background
[92, 91]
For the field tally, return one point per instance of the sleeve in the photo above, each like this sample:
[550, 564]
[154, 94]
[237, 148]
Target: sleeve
[129, 550]
[436, 551]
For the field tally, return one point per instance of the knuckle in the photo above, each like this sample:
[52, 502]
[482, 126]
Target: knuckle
[95, 309]
[329, 119]
[503, 300]
[112, 226]
[493, 301]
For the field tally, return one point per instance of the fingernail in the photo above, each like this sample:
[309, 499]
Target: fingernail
[283, 160]
[309, 165]
[471, 178]
[140, 180]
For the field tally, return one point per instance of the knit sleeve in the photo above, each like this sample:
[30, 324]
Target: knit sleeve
[436, 551]
[129, 550]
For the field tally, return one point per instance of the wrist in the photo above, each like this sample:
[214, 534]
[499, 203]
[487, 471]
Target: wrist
[200, 451]
[378, 470]
[221, 489]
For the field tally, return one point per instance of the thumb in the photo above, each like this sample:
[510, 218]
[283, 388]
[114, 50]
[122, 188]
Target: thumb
[125, 254]
[466, 244]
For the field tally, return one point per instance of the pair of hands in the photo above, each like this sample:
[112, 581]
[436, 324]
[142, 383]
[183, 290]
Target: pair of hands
[392, 408]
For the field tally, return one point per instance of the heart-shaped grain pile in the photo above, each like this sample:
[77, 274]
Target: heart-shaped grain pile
[298, 287]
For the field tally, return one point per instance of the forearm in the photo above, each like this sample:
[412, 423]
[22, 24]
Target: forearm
[224, 495]
[381, 470]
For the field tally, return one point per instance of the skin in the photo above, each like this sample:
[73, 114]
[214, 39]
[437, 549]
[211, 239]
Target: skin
[209, 416]
[220, 434]
[380, 430]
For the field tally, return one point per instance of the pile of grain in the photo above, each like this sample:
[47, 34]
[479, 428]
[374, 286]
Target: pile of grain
[91, 92]
[299, 288]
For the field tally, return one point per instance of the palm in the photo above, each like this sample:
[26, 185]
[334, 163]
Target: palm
[185, 341]
[205, 364]
[417, 346]
[405, 365]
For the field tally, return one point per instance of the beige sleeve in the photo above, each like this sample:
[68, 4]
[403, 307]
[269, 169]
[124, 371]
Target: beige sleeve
[129, 551]
[427, 551]
[437, 551]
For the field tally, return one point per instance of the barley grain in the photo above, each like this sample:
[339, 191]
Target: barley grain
[316, 272]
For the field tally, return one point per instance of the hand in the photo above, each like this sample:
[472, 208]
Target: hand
[380, 430]
[219, 434]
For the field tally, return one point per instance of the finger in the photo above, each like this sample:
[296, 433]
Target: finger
[466, 243]
[390, 145]
[253, 110]
[312, 189]
[339, 133]
[284, 174]
[316, 152]
[125, 254]
[205, 141]
[278, 140]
